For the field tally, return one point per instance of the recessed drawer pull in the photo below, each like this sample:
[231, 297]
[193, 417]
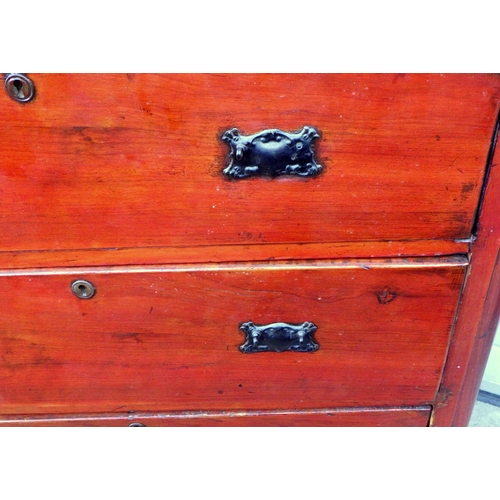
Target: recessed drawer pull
[279, 337]
[271, 153]
[19, 87]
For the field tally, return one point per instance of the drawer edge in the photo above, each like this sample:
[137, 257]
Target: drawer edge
[338, 417]
[399, 263]
[230, 253]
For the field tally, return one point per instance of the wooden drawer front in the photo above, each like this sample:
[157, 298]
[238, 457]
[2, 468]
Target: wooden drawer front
[119, 161]
[168, 338]
[346, 417]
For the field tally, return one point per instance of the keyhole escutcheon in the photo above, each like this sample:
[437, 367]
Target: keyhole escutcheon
[19, 87]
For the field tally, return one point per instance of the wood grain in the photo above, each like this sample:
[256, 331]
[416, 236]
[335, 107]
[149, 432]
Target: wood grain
[344, 417]
[117, 179]
[166, 338]
[231, 253]
[127, 161]
[478, 314]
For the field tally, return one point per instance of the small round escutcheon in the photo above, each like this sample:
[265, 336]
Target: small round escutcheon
[19, 87]
[136, 424]
[83, 289]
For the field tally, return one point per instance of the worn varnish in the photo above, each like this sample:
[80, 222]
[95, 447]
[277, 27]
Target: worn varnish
[478, 314]
[167, 338]
[231, 253]
[392, 251]
[128, 161]
[343, 417]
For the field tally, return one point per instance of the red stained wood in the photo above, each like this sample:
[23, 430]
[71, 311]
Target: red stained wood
[345, 417]
[478, 314]
[126, 161]
[166, 338]
[103, 174]
[231, 253]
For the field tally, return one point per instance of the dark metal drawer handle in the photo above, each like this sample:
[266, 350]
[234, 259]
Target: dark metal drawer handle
[279, 337]
[271, 153]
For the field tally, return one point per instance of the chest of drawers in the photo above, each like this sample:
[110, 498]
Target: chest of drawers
[246, 249]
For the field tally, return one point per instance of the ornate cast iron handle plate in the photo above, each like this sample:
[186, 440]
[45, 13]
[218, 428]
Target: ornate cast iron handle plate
[271, 153]
[279, 337]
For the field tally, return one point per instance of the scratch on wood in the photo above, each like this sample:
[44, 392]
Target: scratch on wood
[127, 335]
[443, 395]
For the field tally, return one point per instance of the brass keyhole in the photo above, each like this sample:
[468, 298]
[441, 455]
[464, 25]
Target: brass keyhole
[83, 289]
[19, 87]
